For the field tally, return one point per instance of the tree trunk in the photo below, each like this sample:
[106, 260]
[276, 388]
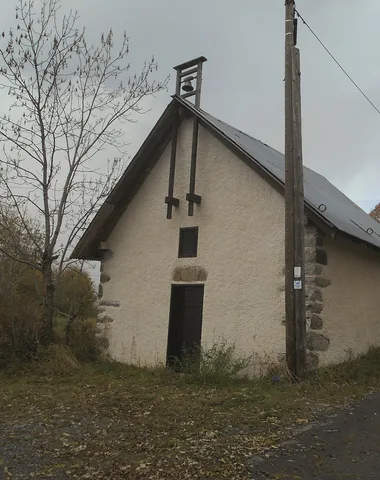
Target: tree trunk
[69, 327]
[49, 290]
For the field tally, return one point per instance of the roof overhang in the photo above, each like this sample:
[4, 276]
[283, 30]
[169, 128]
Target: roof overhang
[88, 247]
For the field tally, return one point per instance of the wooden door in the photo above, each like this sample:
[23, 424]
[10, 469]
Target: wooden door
[185, 321]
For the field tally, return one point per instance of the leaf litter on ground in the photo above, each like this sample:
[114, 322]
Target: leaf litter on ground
[118, 422]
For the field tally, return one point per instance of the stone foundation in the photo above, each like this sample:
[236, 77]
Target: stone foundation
[315, 282]
[104, 318]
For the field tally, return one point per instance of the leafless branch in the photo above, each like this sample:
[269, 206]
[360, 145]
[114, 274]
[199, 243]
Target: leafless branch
[70, 103]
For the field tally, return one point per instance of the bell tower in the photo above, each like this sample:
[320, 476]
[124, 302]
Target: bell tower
[187, 73]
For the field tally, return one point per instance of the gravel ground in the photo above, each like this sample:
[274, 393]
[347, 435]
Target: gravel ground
[342, 446]
[114, 422]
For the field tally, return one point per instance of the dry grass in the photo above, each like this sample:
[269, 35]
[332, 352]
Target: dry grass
[110, 421]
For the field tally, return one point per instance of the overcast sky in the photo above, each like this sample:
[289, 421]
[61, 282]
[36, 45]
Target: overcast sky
[243, 78]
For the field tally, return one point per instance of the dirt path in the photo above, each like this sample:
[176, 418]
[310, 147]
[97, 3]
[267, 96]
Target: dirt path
[343, 446]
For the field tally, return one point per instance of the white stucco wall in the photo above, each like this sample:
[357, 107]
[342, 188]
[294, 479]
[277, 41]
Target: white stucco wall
[241, 245]
[351, 312]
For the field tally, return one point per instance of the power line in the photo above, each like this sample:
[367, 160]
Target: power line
[339, 64]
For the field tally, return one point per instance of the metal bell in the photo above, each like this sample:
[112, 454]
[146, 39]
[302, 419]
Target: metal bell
[187, 86]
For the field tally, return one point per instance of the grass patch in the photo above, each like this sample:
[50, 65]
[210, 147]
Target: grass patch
[218, 364]
[109, 420]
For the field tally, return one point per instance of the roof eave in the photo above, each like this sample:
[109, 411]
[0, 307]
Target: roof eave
[86, 248]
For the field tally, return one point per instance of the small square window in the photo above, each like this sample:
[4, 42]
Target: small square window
[188, 242]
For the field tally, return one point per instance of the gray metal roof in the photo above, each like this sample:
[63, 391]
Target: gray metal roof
[340, 211]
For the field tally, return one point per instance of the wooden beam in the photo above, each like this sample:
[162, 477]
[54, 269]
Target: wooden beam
[189, 72]
[190, 63]
[178, 84]
[173, 154]
[198, 87]
[172, 201]
[193, 198]
[193, 165]
[189, 94]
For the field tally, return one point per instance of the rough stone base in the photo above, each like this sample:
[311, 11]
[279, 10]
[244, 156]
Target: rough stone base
[315, 281]
[189, 274]
[105, 307]
[315, 259]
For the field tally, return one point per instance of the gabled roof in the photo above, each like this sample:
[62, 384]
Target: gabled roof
[325, 204]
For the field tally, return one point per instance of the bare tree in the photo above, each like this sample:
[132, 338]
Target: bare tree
[69, 101]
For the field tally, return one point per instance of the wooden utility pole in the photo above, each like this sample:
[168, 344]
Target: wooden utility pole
[299, 218]
[294, 205]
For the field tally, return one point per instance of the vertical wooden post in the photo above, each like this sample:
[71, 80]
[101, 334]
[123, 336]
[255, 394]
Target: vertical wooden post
[198, 86]
[291, 358]
[299, 227]
[192, 197]
[294, 205]
[170, 200]
[193, 167]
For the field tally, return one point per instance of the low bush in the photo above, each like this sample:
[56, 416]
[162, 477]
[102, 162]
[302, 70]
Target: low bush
[21, 315]
[82, 341]
[218, 363]
[356, 369]
[54, 360]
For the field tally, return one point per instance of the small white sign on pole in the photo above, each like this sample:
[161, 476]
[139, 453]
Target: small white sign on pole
[297, 272]
[297, 284]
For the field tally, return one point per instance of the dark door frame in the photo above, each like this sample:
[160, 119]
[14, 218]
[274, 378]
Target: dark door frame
[173, 287]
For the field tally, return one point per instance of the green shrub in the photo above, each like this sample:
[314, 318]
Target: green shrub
[21, 323]
[82, 340]
[218, 363]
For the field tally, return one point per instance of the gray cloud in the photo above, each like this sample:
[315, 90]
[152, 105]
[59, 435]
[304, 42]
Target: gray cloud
[243, 79]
